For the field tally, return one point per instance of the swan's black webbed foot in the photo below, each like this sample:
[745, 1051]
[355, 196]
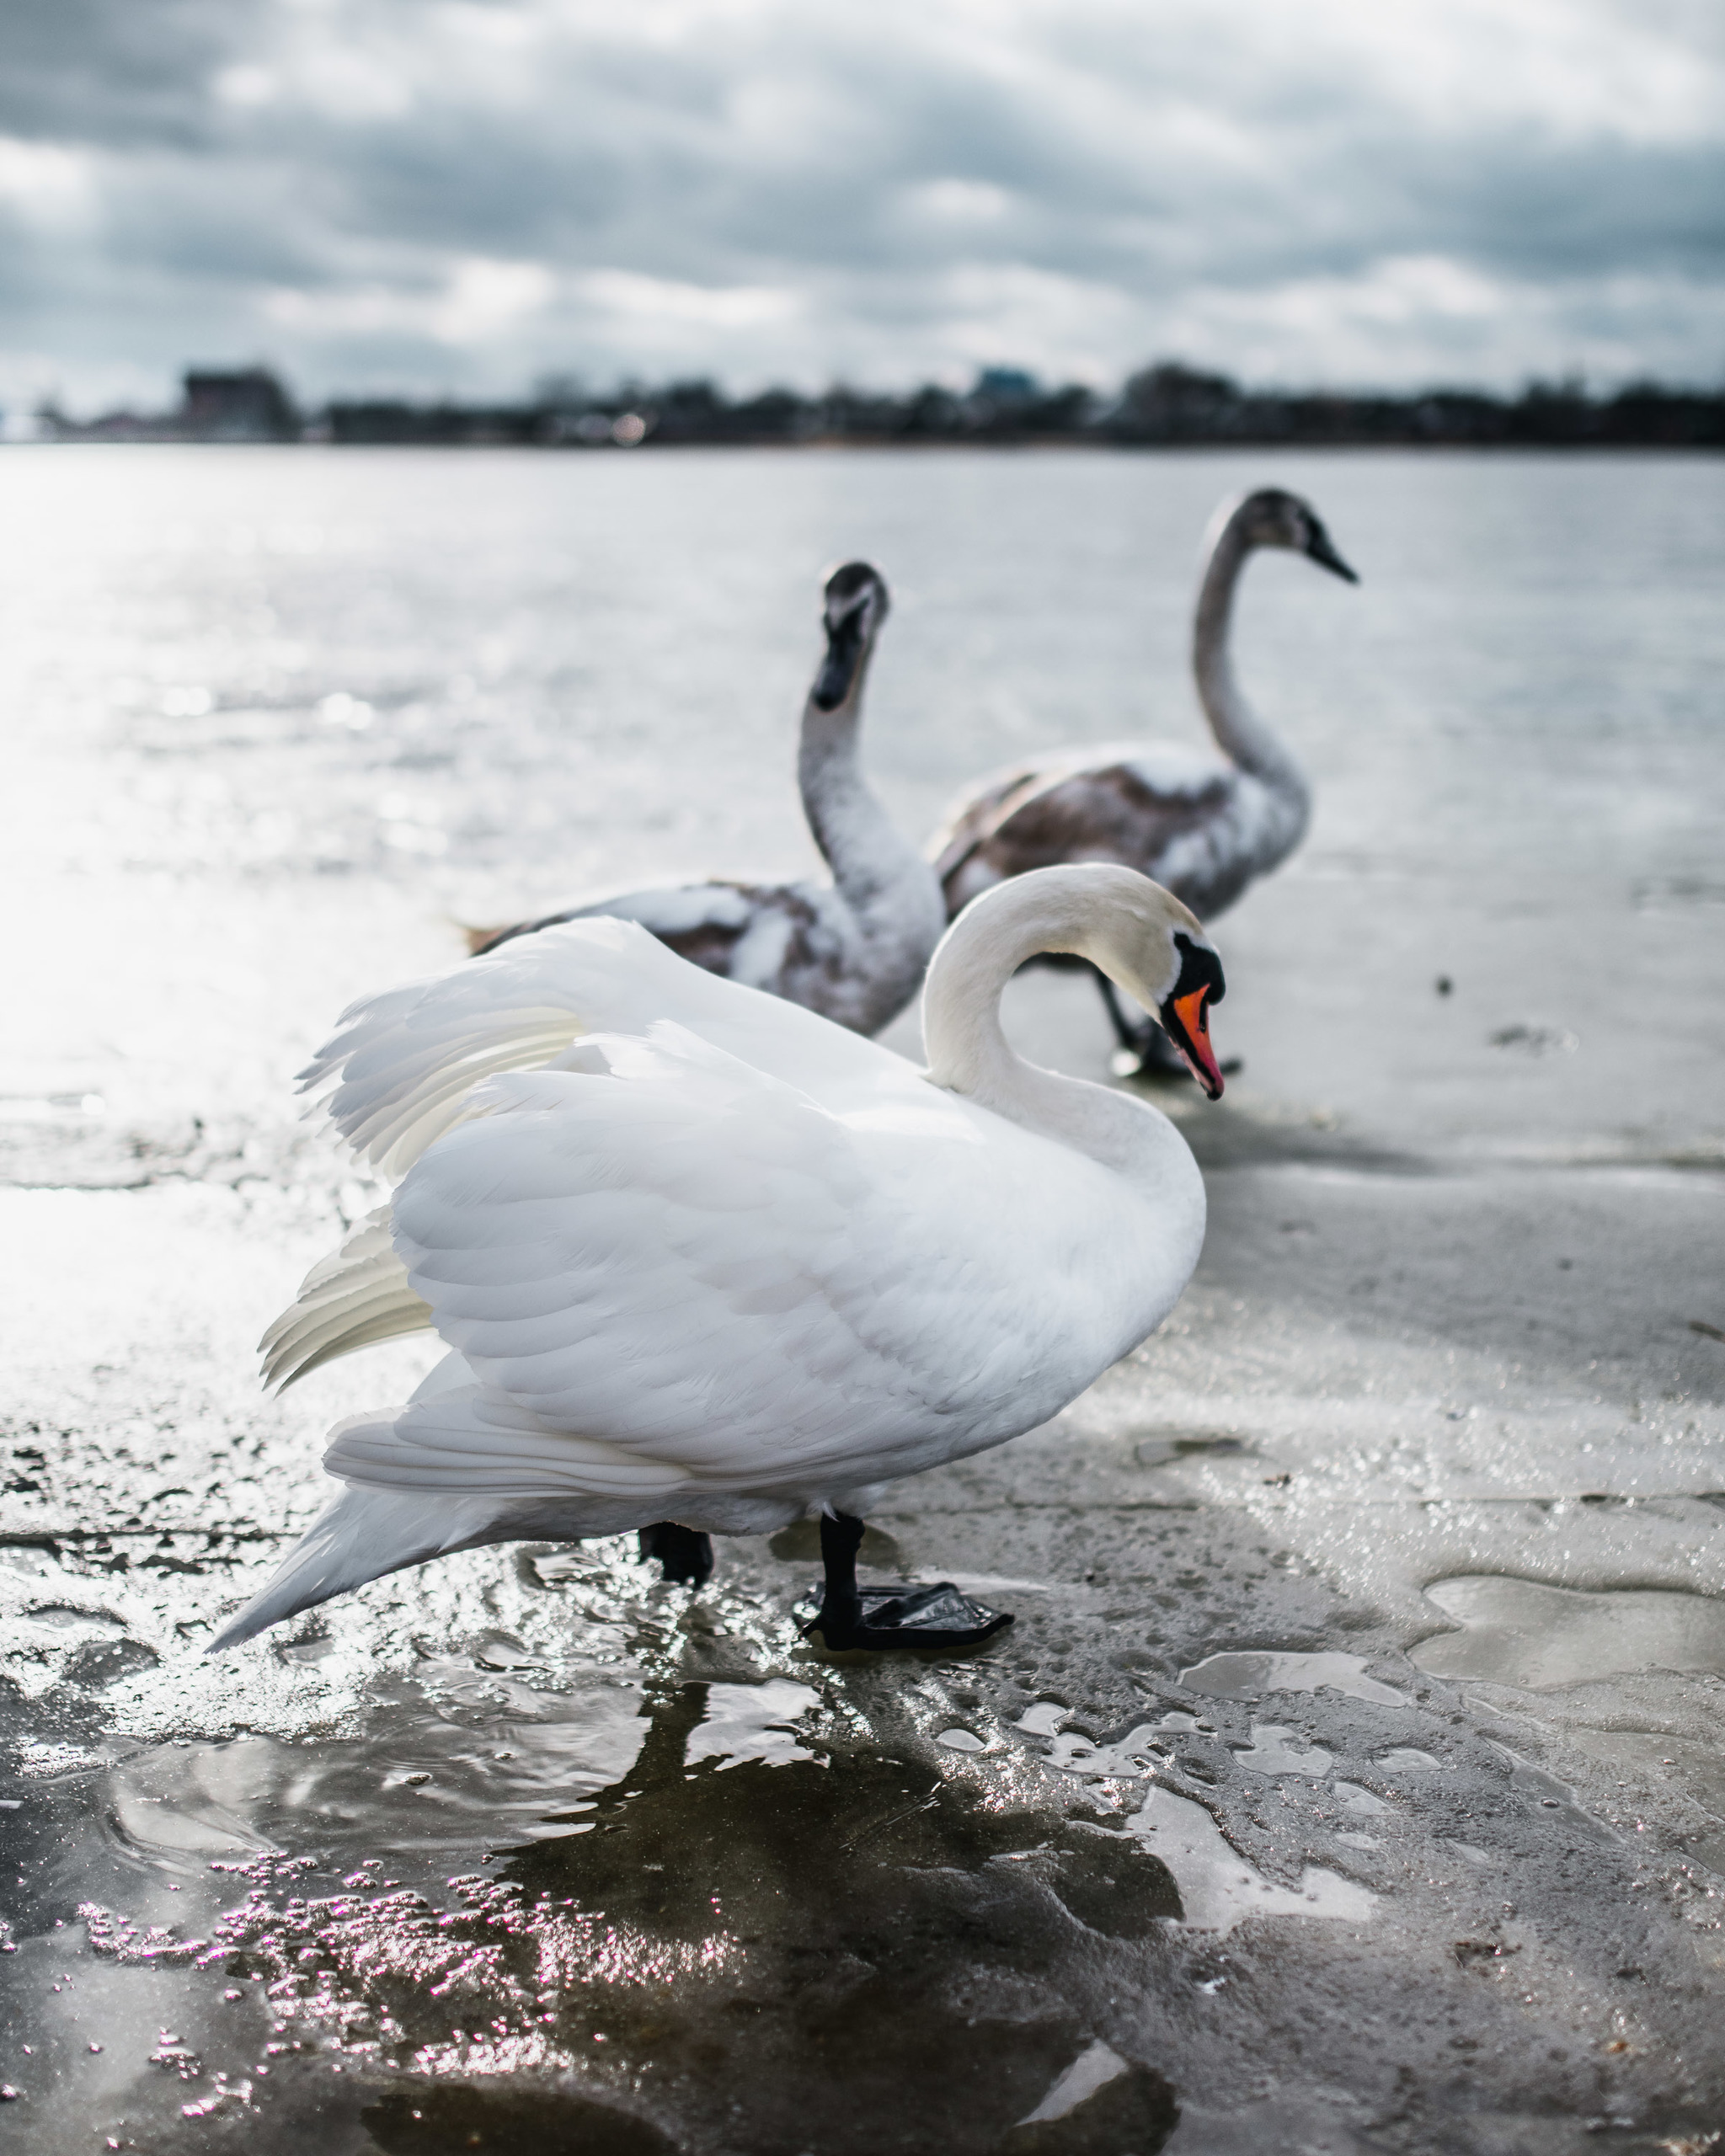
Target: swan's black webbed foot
[882, 1619]
[1146, 1050]
[684, 1555]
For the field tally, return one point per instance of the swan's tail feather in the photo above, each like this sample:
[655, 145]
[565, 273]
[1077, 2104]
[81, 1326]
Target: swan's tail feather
[364, 1533]
[345, 1302]
[460, 1465]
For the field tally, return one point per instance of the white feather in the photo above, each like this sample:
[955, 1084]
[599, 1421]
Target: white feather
[349, 1300]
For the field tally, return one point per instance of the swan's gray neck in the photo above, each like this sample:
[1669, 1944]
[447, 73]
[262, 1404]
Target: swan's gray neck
[1240, 732]
[881, 876]
[969, 1053]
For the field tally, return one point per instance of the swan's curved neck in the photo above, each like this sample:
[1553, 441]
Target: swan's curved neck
[870, 858]
[967, 1052]
[1240, 732]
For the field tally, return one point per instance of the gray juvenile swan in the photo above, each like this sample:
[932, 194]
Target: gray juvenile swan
[700, 1257]
[1205, 830]
[854, 949]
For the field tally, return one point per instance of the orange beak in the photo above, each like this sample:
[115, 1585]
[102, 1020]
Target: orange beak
[1187, 1025]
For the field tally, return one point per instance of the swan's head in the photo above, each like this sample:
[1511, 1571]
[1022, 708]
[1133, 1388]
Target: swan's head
[855, 605]
[1148, 943]
[1273, 517]
[1137, 933]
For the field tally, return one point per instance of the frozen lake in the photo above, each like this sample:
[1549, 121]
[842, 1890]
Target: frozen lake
[1433, 1855]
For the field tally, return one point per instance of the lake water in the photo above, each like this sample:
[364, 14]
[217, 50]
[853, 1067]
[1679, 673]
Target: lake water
[277, 721]
[297, 705]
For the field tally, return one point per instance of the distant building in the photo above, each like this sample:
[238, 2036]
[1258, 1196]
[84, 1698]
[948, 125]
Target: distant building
[1004, 387]
[249, 404]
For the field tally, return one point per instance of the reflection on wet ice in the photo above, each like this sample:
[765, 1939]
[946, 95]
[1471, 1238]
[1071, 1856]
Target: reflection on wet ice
[754, 1903]
[752, 1721]
[1218, 1888]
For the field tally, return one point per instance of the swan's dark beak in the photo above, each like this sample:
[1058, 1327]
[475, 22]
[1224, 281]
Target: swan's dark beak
[1186, 1022]
[1319, 549]
[855, 606]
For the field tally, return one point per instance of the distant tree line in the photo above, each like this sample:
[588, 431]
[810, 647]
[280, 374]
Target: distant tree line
[1166, 405]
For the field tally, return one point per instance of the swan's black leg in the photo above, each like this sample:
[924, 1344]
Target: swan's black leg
[886, 1617]
[841, 1604]
[684, 1555]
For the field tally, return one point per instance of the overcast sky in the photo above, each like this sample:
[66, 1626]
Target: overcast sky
[408, 195]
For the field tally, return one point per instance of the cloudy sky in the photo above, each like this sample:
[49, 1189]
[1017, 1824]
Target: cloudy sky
[463, 195]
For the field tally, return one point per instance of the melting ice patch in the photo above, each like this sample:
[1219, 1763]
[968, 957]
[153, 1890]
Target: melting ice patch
[1043, 1719]
[1541, 1639]
[1270, 1753]
[1245, 1676]
[1219, 1889]
[1129, 1757]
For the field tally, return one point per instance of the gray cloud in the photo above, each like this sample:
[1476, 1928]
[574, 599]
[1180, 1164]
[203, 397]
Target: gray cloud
[432, 194]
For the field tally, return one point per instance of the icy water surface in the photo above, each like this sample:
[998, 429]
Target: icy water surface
[1352, 1779]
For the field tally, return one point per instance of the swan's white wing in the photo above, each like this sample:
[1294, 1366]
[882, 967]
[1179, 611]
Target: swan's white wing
[399, 1071]
[357, 1296]
[687, 1259]
[694, 1262]
[475, 1441]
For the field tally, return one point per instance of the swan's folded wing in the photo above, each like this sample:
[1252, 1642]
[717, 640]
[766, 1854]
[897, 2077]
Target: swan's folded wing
[972, 817]
[359, 1295]
[399, 1071]
[474, 1441]
[674, 1259]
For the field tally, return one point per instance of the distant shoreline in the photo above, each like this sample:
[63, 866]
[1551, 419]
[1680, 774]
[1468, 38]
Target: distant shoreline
[1165, 406]
[864, 446]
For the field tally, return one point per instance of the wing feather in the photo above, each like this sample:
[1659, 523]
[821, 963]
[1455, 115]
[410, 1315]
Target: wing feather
[399, 1071]
[357, 1296]
[475, 1440]
[690, 1227]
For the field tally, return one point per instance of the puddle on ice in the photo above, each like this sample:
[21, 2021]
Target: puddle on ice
[1544, 1639]
[1043, 1719]
[1408, 1759]
[1270, 1753]
[1129, 1757]
[435, 1778]
[1246, 1676]
[701, 1896]
[1219, 1889]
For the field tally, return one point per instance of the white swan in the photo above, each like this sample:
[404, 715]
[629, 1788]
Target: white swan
[716, 1261]
[853, 949]
[1205, 830]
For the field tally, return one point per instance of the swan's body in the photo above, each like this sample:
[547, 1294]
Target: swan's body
[1204, 827]
[716, 1261]
[854, 949]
